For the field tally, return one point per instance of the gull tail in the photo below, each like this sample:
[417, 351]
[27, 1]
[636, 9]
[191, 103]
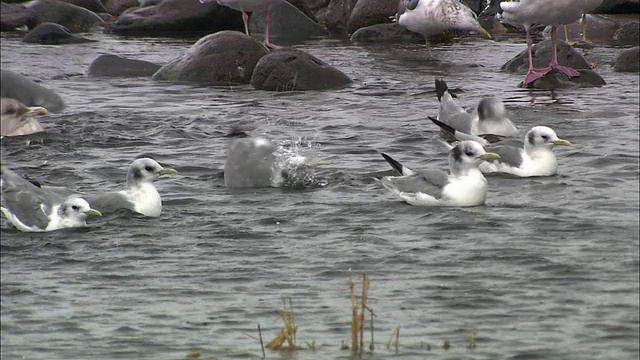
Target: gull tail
[441, 88]
[458, 134]
[399, 168]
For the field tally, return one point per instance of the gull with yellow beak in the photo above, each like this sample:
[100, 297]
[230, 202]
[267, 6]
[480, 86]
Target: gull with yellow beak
[18, 119]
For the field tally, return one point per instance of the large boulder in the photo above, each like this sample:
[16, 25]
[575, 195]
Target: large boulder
[108, 65]
[21, 88]
[628, 34]
[221, 58]
[304, 8]
[286, 22]
[117, 7]
[371, 12]
[337, 15]
[177, 17]
[291, 69]
[316, 5]
[53, 34]
[628, 60]
[618, 7]
[74, 18]
[92, 5]
[557, 80]
[13, 16]
[391, 32]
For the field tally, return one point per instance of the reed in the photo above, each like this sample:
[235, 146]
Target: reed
[358, 315]
[289, 329]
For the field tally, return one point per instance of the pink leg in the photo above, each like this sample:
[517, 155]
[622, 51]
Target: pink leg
[533, 74]
[554, 57]
[245, 18]
[266, 32]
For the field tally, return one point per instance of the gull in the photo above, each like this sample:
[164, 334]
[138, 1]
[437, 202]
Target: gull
[18, 119]
[32, 208]
[464, 185]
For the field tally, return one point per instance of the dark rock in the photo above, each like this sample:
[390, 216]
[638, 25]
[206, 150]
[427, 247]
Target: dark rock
[109, 65]
[628, 34]
[304, 8]
[28, 92]
[628, 60]
[371, 12]
[290, 69]
[177, 17]
[476, 5]
[145, 3]
[53, 34]
[221, 58]
[557, 80]
[337, 16]
[117, 7]
[391, 32]
[286, 22]
[14, 16]
[316, 5]
[567, 56]
[618, 7]
[73, 17]
[599, 27]
[92, 5]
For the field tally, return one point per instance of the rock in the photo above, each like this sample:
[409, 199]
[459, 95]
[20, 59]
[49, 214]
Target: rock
[286, 22]
[316, 5]
[371, 12]
[599, 27]
[13, 16]
[145, 3]
[53, 34]
[117, 7]
[628, 34]
[337, 16]
[220, 58]
[541, 51]
[92, 5]
[304, 8]
[19, 87]
[73, 17]
[628, 60]
[557, 80]
[291, 69]
[618, 7]
[476, 5]
[177, 17]
[108, 65]
[391, 32]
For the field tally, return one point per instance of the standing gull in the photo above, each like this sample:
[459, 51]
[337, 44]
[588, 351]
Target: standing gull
[251, 6]
[463, 186]
[18, 119]
[31, 208]
[490, 117]
[430, 17]
[550, 12]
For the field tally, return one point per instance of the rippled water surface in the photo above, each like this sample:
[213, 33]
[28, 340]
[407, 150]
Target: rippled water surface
[548, 269]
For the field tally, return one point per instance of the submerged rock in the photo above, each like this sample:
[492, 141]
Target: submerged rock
[391, 32]
[557, 80]
[13, 16]
[21, 88]
[109, 65]
[221, 58]
[290, 69]
[53, 34]
[74, 18]
[628, 60]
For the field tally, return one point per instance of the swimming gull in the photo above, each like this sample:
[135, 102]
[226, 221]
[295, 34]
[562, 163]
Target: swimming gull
[489, 117]
[18, 119]
[251, 6]
[257, 162]
[430, 17]
[550, 12]
[31, 208]
[464, 185]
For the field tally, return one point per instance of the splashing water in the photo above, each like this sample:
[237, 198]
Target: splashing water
[295, 163]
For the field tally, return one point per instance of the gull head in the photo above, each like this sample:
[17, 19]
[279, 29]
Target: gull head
[77, 209]
[543, 137]
[467, 155]
[492, 108]
[146, 170]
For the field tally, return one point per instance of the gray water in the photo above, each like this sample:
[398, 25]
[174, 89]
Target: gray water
[548, 269]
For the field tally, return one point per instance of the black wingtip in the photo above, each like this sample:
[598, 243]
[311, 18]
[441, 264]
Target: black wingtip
[441, 88]
[394, 164]
[443, 126]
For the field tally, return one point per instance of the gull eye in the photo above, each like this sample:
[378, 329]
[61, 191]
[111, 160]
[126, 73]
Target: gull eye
[148, 168]
[74, 207]
[469, 153]
[545, 137]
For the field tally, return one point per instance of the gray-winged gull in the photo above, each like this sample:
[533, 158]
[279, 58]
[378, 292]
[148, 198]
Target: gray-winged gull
[489, 117]
[18, 119]
[32, 208]
[464, 185]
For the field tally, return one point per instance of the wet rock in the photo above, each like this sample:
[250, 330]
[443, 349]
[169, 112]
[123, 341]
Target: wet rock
[598, 28]
[13, 16]
[53, 34]
[304, 8]
[558, 80]
[371, 12]
[618, 7]
[177, 17]
[117, 7]
[92, 5]
[628, 60]
[391, 32]
[628, 34]
[316, 5]
[108, 65]
[337, 16]
[290, 69]
[21, 88]
[74, 18]
[286, 22]
[221, 58]
[476, 5]
[145, 3]
[541, 51]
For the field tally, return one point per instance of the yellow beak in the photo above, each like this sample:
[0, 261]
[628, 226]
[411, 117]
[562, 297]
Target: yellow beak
[489, 156]
[562, 142]
[167, 171]
[485, 32]
[93, 212]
